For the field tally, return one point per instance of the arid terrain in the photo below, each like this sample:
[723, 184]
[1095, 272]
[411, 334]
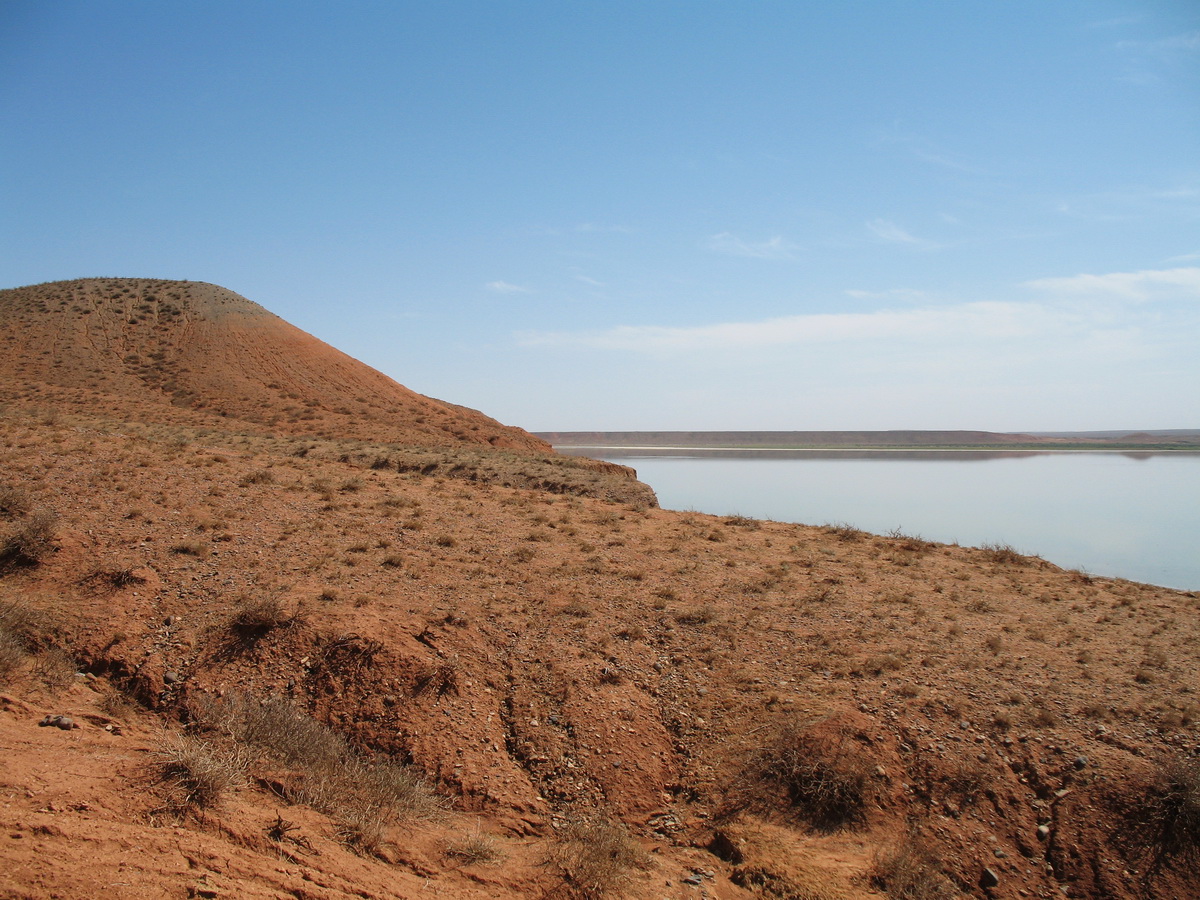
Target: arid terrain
[272, 625]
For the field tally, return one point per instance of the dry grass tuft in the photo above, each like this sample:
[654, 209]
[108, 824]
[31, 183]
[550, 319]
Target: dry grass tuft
[594, 858]
[12, 655]
[475, 849]
[1002, 555]
[28, 539]
[908, 871]
[197, 773]
[1170, 813]
[826, 774]
[254, 617]
[366, 798]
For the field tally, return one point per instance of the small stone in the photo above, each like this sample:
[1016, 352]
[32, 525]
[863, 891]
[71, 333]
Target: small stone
[1043, 832]
[1081, 762]
[170, 677]
[692, 879]
[988, 879]
[48, 720]
[66, 723]
[1000, 854]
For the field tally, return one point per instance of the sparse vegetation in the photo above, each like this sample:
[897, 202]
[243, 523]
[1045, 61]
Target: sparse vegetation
[26, 539]
[1168, 813]
[196, 772]
[825, 773]
[1002, 555]
[475, 849]
[366, 797]
[908, 871]
[594, 858]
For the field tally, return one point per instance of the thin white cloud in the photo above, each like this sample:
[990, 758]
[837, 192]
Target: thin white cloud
[1186, 43]
[927, 152]
[906, 294]
[1059, 317]
[593, 228]
[503, 287]
[1184, 257]
[776, 247]
[1147, 284]
[984, 319]
[589, 280]
[894, 234]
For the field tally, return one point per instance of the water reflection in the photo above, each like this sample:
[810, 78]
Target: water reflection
[1134, 515]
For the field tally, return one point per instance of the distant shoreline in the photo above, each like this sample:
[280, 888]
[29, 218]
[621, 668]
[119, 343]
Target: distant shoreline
[997, 448]
[1165, 441]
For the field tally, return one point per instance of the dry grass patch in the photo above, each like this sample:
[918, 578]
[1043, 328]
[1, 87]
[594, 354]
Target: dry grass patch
[594, 858]
[196, 772]
[366, 798]
[1168, 813]
[27, 539]
[824, 772]
[908, 871]
[475, 849]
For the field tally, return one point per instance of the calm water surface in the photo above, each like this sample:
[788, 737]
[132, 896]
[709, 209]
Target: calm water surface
[1105, 513]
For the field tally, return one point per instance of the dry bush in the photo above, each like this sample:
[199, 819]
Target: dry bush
[23, 630]
[1169, 813]
[594, 858]
[12, 654]
[54, 669]
[366, 798]
[277, 727]
[1001, 554]
[845, 532]
[697, 615]
[196, 772]
[27, 539]
[255, 616]
[826, 774]
[739, 521]
[14, 501]
[475, 848]
[908, 871]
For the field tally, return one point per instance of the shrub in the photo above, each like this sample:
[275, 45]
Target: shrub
[476, 848]
[12, 654]
[825, 773]
[54, 669]
[594, 858]
[254, 617]
[1170, 812]
[908, 871]
[196, 772]
[365, 798]
[1001, 554]
[845, 532]
[28, 540]
[14, 501]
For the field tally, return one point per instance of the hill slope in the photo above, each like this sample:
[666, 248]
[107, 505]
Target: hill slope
[202, 348]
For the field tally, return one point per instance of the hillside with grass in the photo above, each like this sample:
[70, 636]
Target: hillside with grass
[244, 653]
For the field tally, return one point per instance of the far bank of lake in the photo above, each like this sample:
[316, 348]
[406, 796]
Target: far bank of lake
[1129, 515]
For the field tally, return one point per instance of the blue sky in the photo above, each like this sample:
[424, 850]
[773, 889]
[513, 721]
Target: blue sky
[647, 215]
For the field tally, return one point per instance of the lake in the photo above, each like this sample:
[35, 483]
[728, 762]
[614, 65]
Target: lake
[1134, 516]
